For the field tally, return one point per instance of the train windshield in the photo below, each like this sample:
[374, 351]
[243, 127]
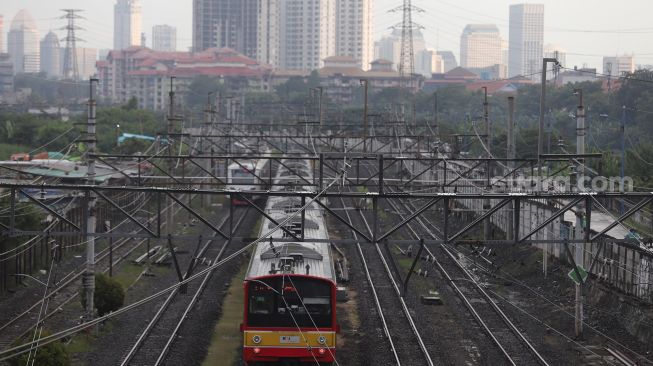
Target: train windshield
[241, 176]
[289, 302]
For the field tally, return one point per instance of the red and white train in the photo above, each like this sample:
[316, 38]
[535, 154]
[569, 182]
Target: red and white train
[290, 288]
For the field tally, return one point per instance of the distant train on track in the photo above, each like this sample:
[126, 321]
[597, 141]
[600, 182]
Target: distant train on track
[244, 176]
[290, 287]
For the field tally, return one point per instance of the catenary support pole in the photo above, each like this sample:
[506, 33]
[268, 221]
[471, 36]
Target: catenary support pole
[487, 141]
[540, 136]
[88, 279]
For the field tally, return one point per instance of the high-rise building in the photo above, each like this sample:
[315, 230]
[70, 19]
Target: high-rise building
[354, 30]
[127, 24]
[389, 48]
[505, 52]
[2, 34]
[618, 65]
[526, 39]
[23, 43]
[308, 33]
[86, 60]
[480, 46]
[268, 32]
[226, 23]
[164, 38]
[428, 62]
[51, 55]
[448, 59]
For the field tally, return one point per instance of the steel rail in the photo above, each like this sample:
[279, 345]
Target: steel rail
[540, 359]
[196, 296]
[72, 276]
[404, 306]
[164, 306]
[377, 302]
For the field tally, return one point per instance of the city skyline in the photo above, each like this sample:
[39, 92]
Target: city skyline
[445, 22]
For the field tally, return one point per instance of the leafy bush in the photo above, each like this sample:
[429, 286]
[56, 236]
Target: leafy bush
[109, 294]
[51, 354]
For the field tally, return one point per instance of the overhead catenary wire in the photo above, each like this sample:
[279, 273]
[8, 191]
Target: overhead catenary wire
[537, 293]
[17, 350]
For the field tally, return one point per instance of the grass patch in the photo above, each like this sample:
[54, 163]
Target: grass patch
[256, 230]
[80, 344]
[227, 338]
[127, 274]
[404, 263]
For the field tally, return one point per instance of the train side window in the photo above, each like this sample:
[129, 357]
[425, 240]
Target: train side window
[261, 304]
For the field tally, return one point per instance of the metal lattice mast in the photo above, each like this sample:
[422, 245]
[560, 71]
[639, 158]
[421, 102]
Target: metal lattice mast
[70, 64]
[407, 26]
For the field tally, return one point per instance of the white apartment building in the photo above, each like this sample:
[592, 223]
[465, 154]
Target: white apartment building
[526, 40]
[86, 60]
[354, 30]
[428, 62]
[268, 33]
[127, 24]
[307, 33]
[618, 65]
[480, 46]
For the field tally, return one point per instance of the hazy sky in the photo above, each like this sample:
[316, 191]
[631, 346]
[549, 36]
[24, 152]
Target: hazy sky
[587, 29]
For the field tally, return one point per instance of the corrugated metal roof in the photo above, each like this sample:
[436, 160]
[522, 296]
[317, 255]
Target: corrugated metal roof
[55, 173]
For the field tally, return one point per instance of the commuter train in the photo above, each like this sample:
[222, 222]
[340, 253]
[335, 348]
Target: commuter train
[290, 286]
[244, 176]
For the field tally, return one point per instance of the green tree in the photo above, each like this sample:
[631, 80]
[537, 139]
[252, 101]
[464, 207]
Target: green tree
[132, 104]
[200, 88]
[133, 146]
[47, 132]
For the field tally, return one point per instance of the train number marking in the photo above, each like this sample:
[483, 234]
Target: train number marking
[288, 339]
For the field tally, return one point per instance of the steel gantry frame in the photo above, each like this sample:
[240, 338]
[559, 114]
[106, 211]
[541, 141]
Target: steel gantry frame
[445, 199]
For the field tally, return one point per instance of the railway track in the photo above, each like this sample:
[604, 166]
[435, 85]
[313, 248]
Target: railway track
[152, 345]
[511, 342]
[66, 290]
[406, 350]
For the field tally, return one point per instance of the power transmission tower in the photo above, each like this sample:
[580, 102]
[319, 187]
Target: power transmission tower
[407, 58]
[70, 65]
[407, 26]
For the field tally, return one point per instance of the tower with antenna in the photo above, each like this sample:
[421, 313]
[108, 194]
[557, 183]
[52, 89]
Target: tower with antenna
[407, 26]
[70, 64]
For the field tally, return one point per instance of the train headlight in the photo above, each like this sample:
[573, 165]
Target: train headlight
[256, 339]
[321, 340]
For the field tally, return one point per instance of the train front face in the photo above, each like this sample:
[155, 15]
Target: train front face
[241, 178]
[289, 317]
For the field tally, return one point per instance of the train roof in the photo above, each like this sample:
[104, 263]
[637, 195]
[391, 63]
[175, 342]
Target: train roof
[248, 164]
[316, 255]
